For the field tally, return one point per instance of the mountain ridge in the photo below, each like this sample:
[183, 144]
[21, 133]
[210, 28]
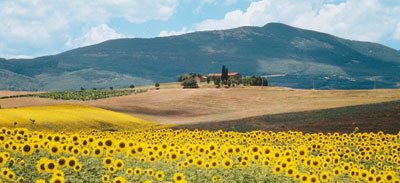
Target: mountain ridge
[305, 56]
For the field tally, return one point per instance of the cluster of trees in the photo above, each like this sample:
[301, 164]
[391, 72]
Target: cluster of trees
[186, 76]
[254, 81]
[188, 80]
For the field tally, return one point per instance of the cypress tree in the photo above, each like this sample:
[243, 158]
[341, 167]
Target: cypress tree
[226, 74]
[223, 73]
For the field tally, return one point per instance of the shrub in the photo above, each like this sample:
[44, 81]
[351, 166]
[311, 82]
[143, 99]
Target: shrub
[190, 83]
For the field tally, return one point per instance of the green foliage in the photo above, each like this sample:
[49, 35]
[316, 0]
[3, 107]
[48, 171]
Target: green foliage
[111, 88]
[83, 95]
[224, 73]
[190, 83]
[186, 76]
[208, 80]
[255, 81]
[132, 86]
[157, 85]
[217, 81]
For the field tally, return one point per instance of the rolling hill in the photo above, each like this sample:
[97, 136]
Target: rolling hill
[304, 58]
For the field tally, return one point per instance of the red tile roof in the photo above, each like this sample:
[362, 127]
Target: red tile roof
[219, 74]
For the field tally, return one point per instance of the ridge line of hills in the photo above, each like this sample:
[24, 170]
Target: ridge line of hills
[305, 56]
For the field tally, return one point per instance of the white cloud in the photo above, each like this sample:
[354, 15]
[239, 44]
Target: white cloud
[95, 35]
[396, 34]
[369, 20]
[165, 33]
[39, 24]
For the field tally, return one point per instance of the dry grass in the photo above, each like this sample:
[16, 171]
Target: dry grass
[173, 105]
[177, 106]
[10, 93]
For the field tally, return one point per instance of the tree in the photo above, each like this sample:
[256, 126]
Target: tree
[208, 80]
[132, 86]
[94, 88]
[82, 89]
[224, 73]
[217, 81]
[111, 88]
[190, 83]
[157, 85]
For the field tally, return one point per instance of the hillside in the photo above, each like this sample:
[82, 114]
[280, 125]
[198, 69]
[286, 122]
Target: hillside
[69, 117]
[174, 105]
[304, 57]
[368, 118]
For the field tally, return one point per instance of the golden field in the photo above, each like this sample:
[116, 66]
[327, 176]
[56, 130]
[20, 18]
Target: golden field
[173, 105]
[197, 156]
[69, 117]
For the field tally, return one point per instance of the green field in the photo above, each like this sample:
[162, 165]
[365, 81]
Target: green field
[83, 95]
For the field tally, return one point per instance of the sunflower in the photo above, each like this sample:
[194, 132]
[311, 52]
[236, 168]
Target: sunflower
[137, 171]
[244, 163]
[199, 162]
[51, 166]
[129, 171]
[313, 179]
[108, 161]
[111, 169]
[10, 176]
[227, 163]
[71, 162]
[150, 172]
[56, 179]
[40, 181]
[27, 149]
[304, 178]
[41, 165]
[179, 178]
[214, 163]
[97, 152]
[54, 149]
[61, 162]
[58, 173]
[78, 168]
[277, 169]
[290, 172]
[105, 178]
[3, 159]
[119, 164]
[85, 152]
[119, 180]
[337, 171]
[159, 175]
[21, 179]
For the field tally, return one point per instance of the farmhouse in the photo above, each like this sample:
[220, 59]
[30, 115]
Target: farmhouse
[231, 76]
[200, 78]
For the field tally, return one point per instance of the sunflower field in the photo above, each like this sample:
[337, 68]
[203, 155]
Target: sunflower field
[196, 156]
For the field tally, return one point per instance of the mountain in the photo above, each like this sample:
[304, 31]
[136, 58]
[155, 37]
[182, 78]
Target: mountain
[301, 58]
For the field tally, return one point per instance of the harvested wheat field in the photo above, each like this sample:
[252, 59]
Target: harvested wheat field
[178, 106]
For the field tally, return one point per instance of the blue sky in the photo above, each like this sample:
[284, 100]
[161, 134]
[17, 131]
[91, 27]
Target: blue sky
[42, 27]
